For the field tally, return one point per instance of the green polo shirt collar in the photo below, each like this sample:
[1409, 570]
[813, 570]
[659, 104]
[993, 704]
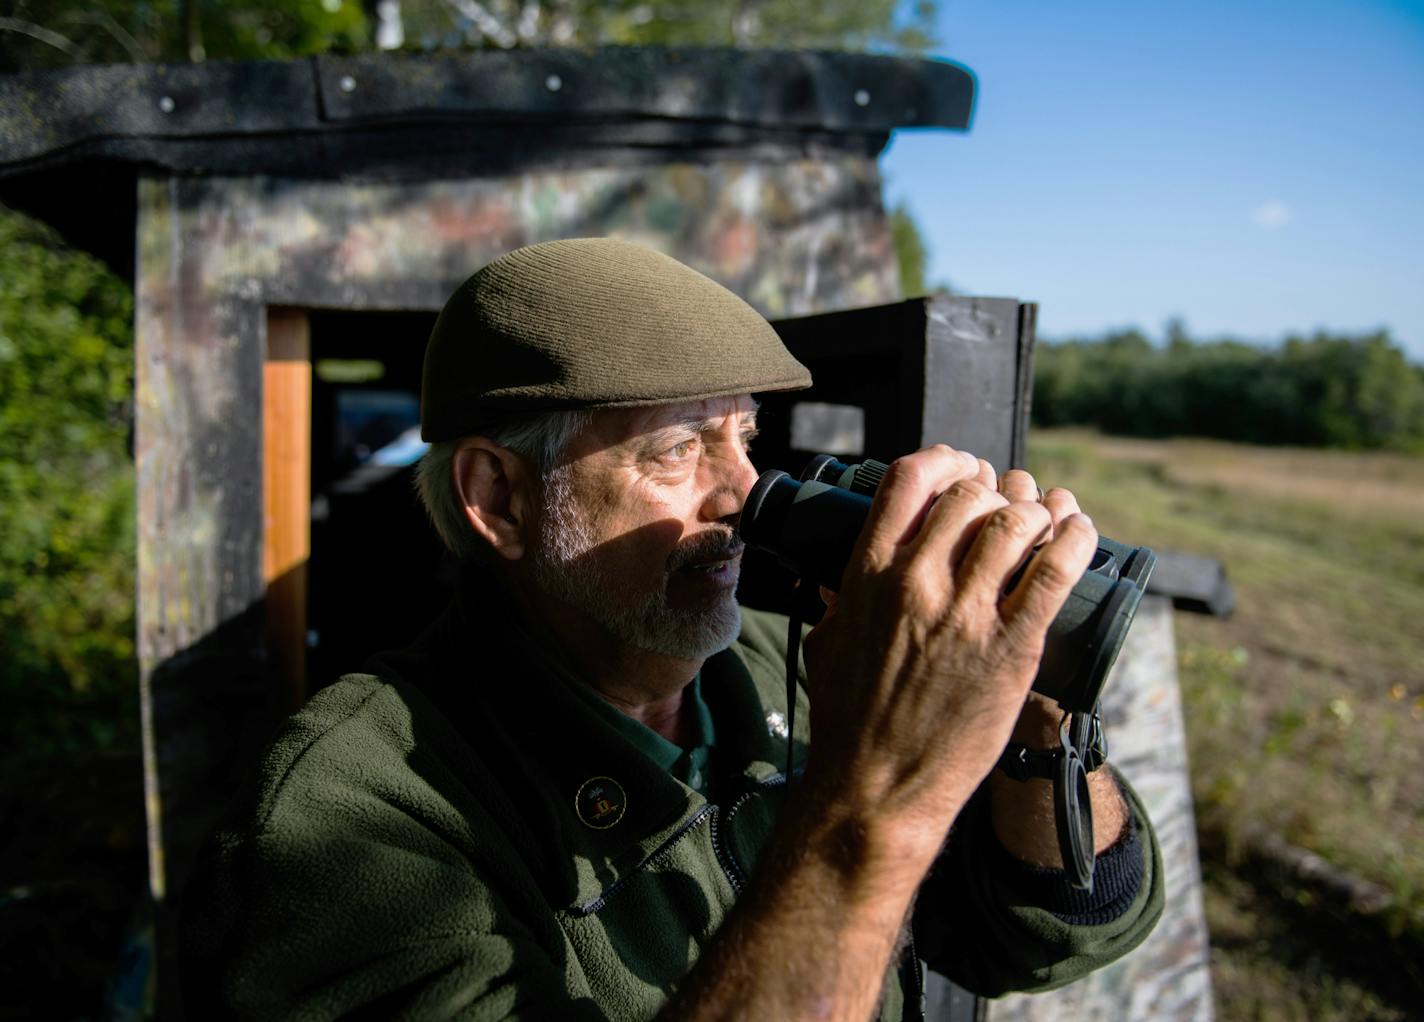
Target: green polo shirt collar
[690, 765]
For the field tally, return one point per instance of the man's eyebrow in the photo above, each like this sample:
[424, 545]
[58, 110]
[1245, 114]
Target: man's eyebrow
[750, 416]
[694, 425]
[701, 423]
[673, 432]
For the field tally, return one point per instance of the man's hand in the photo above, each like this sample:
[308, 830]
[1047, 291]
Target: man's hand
[918, 673]
[921, 668]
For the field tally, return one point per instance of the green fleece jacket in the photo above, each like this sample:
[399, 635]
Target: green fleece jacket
[463, 834]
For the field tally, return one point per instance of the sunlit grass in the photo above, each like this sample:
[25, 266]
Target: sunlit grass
[1305, 710]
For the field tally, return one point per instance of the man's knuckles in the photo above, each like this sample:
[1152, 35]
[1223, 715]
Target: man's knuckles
[1018, 524]
[914, 474]
[1077, 533]
[1058, 566]
[972, 495]
[1052, 571]
[1003, 541]
[929, 470]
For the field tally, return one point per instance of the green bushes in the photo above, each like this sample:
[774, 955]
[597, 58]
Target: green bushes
[1322, 391]
[66, 495]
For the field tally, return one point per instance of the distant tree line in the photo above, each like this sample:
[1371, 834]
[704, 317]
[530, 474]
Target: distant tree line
[1325, 390]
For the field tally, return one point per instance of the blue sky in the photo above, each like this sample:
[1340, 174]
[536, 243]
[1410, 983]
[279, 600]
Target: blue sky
[1256, 167]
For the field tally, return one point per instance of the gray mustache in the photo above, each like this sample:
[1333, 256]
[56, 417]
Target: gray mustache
[708, 546]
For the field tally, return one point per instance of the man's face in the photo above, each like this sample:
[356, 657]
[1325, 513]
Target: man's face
[637, 530]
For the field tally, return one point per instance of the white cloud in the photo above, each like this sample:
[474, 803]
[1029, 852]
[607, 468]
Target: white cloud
[1273, 214]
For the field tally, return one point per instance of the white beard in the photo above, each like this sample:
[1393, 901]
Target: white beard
[567, 567]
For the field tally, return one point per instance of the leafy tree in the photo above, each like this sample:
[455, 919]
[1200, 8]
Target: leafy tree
[831, 24]
[66, 486]
[53, 33]
[60, 33]
[909, 250]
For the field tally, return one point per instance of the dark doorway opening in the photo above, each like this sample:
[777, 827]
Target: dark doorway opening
[377, 574]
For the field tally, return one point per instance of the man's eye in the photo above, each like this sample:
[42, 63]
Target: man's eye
[747, 439]
[680, 451]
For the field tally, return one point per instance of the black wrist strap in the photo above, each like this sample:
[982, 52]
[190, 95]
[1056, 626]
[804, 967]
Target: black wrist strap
[1081, 748]
[1021, 763]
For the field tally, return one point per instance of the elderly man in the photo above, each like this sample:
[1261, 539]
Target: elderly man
[567, 799]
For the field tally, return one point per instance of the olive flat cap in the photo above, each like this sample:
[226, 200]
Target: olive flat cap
[592, 322]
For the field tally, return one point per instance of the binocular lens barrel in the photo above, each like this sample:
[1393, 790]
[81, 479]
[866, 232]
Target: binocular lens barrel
[811, 526]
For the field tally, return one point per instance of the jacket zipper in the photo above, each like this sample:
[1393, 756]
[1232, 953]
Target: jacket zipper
[912, 981]
[710, 813]
[734, 873]
[588, 908]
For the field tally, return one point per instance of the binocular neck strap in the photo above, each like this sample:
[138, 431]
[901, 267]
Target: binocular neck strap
[793, 651]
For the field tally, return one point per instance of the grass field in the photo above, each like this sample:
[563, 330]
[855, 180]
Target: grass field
[1305, 709]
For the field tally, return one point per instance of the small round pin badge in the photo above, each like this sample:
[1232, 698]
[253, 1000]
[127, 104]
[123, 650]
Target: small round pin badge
[600, 802]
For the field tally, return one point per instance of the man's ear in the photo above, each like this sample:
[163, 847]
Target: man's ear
[495, 488]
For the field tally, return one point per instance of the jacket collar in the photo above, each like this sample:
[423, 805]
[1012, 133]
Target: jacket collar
[600, 806]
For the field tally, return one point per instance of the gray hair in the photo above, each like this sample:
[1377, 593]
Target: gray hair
[541, 438]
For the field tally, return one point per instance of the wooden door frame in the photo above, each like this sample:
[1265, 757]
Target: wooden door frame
[286, 497]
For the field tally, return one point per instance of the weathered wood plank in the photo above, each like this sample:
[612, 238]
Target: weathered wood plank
[198, 463]
[971, 388]
[1023, 404]
[286, 473]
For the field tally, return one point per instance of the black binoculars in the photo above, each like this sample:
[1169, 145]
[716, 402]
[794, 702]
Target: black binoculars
[811, 525]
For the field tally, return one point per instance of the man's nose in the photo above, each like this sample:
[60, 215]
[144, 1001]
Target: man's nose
[734, 480]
